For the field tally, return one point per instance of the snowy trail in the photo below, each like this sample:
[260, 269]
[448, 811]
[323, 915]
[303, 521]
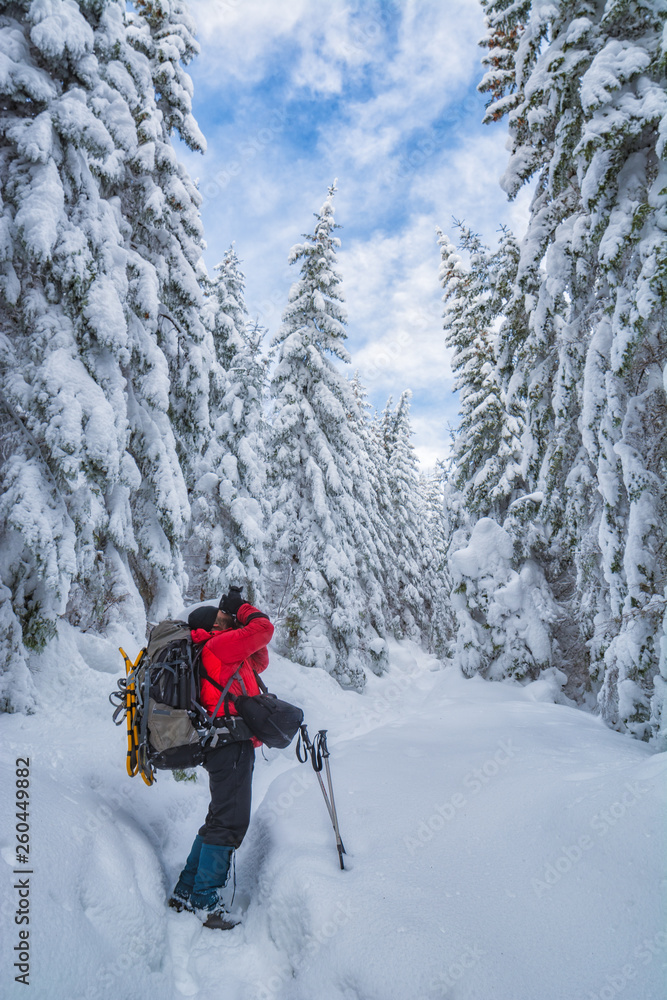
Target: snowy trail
[499, 847]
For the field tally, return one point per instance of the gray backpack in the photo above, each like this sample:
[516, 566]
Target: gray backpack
[173, 728]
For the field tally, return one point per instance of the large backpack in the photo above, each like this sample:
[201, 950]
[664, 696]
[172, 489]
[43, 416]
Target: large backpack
[167, 726]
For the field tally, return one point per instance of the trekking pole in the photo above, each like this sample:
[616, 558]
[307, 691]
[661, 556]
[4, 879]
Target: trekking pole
[317, 763]
[324, 750]
[319, 753]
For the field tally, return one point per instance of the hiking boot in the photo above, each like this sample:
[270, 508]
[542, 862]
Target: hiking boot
[220, 920]
[180, 902]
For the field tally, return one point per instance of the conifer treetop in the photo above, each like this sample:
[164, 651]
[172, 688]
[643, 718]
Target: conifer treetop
[315, 314]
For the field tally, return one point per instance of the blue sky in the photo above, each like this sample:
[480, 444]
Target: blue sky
[382, 96]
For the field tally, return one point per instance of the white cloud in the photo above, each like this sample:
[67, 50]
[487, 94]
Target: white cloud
[435, 60]
[463, 184]
[393, 299]
[239, 36]
[408, 149]
[431, 439]
[396, 335]
[423, 67]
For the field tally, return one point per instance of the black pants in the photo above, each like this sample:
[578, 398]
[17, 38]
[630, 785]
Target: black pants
[230, 780]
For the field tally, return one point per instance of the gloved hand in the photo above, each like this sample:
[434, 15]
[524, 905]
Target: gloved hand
[232, 601]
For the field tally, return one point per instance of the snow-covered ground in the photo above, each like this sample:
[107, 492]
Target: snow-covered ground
[500, 847]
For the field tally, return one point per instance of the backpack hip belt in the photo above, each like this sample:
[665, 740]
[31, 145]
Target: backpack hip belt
[228, 729]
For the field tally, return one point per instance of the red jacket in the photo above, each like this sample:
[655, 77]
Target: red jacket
[226, 652]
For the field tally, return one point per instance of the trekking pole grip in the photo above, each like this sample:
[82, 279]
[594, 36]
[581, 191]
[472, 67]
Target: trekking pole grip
[303, 738]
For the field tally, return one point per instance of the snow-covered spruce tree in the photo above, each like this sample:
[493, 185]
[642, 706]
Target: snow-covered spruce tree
[164, 203]
[497, 588]
[384, 516]
[502, 613]
[375, 556]
[412, 599]
[36, 524]
[410, 507]
[457, 528]
[229, 506]
[437, 618]
[487, 442]
[93, 498]
[165, 31]
[317, 526]
[584, 86]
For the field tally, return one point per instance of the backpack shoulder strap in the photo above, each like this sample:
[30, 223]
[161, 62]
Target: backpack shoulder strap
[260, 683]
[224, 692]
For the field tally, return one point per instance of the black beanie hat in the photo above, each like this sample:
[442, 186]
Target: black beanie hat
[203, 617]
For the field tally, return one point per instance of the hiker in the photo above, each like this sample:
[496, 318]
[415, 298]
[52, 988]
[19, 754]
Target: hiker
[236, 636]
